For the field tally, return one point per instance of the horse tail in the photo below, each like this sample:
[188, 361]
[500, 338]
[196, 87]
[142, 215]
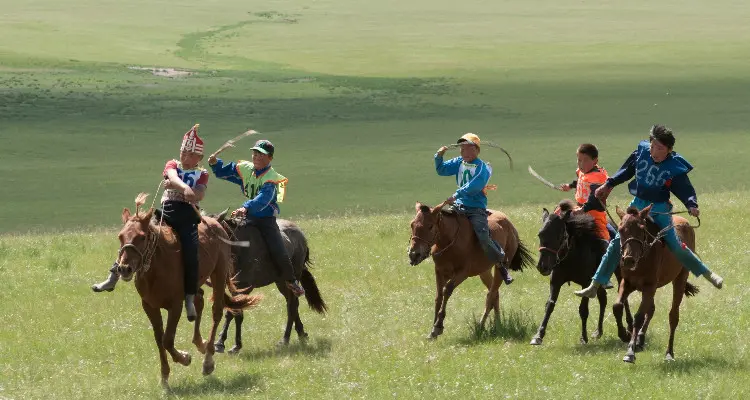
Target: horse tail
[691, 290]
[522, 258]
[312, 293]
[239, 302]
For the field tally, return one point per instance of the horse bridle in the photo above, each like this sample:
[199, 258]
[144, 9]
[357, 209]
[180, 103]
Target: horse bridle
[436, 236]
[152, 239]
[564, 245]
[644, 244]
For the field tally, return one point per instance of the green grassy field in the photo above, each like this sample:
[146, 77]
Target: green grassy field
[357, 96]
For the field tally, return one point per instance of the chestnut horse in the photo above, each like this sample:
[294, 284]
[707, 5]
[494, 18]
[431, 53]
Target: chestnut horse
[646, 265]
[150, 251]
[450, 240]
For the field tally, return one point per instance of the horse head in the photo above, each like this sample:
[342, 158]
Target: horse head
[134, 242]
[553, 240]
[424, 231]
[634, 235]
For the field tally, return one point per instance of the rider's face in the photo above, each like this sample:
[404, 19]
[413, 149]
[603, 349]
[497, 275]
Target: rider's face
[469, 152]
[659, 152]
[189, 159]
[261, 160]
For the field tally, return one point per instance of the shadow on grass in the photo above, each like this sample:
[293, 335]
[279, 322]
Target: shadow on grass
[511, 325]
[243, 383]
[699, 364]
[318, 348]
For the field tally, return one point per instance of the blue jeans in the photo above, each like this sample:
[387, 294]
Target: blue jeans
[689, 260]
[478, 219]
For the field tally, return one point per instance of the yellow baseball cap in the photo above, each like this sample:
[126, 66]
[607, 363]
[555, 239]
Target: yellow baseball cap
[470, 138]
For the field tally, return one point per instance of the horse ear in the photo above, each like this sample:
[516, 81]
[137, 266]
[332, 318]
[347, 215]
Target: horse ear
[644, 213]
[545, 214]
[619, 212]
[418, 206]
[125, 215]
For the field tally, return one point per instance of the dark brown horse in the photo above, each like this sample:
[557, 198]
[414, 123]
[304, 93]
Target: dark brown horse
[450, 240]
[570, 251]
[646, 265]
[253, 268]
[150, 251]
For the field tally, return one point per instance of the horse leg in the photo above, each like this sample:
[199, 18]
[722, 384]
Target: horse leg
[216, 310]
[640, 341]
[219, 345]
[583, 312]
[154, 315]
[198, 341]
[622, 304]
[678, 292]
[601, 295]
[450, 286]
[237, 333]
[640, 319]
[289, 312]
[173, 317]
[439, 283]
[298, 326]
[493, 294]
[554, 291]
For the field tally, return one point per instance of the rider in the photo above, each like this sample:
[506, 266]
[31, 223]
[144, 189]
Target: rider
[472, 175]
[185, 185]
[658, 171]
[264, 187]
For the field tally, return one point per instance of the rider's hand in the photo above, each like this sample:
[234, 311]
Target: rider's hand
[565, 187]
[240, 212]
[442, 150]
[694, 211]
[450, 200]
[168, 184]
[602, 192]
[212, 159]
[577, 211]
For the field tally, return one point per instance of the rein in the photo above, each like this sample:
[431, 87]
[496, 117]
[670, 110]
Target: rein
[565, 245]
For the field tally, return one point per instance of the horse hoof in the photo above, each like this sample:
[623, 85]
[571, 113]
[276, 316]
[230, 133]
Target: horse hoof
[536, 341]
[303, 337]
[638, 348]
[235, 349]
[629, 358]
[596, 335]
[624, 337]
[208, 368]
[187, 358]
[165, 383]
[669, 357]
[283, 342]
[584, 340]
[219, 347]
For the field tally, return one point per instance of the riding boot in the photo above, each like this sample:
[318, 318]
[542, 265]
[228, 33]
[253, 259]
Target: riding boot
[590, 291]
[108, 284]
[506, 275]
[190, 308]
[715, 279]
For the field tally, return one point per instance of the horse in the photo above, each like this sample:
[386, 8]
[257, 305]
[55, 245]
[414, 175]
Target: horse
[254, 268]
[646, 265]
[458, 255]
[150, 252]
[570, 251]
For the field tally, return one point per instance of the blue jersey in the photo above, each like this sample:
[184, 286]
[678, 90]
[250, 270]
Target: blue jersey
[655, 181]
[471, 178]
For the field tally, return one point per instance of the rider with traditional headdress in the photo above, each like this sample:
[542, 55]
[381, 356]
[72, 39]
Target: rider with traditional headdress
[470, 199]
[264, 188]
[658, 171]
[185, 185]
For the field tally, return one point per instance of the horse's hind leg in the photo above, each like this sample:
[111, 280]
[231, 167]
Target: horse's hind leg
[198, 341]
[219, 345]
[554, 291]
[678, 291]
[583, 312]
[601, 295]
[154, 315]
[492, 300]
[290, 300]
[237, 333]
[298, 326]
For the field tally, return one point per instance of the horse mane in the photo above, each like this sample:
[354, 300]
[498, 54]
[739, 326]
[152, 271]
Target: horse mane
[650, 223]
[582, 227]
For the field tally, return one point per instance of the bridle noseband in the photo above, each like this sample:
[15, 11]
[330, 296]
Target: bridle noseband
[436, 236]
[564, 246]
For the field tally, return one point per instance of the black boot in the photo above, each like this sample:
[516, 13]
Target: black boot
[506, 275]
[190, 308]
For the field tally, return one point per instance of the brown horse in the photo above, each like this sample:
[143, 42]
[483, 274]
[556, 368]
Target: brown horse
[455, 249]
[646, 265]
[150, 251]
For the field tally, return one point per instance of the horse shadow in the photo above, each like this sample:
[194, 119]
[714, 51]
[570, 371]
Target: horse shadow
[702, 363]
[317, 348]
[242, 383]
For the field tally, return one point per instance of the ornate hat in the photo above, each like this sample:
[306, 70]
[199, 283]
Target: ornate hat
[191, 142]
